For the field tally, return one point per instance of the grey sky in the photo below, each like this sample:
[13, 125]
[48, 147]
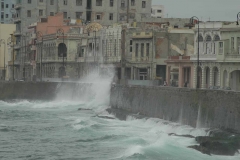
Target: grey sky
[217, 10]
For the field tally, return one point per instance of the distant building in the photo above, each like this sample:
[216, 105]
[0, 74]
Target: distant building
[219, 55]
[158, 11]
[7, 11]
[105, 12]
[6, 50]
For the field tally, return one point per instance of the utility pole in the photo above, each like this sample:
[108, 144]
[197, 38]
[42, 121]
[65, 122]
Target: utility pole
[127, 11]
[123, 61]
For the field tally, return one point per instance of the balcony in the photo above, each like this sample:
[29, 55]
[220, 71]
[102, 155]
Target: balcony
[232, 58]
[33, 48]
[17, 33]
[17, 46]
[17, 6]
[17, 20]
[142, 35]
[205, 57]
[33, 35]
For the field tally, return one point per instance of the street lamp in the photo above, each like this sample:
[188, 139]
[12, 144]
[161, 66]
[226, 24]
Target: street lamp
[24, 56]
[40, 35]
[10, 41]
[2, 41]
[192, 21]
[238, 17]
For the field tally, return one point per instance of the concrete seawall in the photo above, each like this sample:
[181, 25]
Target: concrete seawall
[24, 90]
[197, 108]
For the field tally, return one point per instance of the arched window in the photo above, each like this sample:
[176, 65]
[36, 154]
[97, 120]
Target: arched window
[216, 38]
[200, 38]
[208, 38]
[201, 46]
[208, 44]
[62, 50]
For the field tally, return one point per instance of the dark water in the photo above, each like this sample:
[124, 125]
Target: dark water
[57, 131]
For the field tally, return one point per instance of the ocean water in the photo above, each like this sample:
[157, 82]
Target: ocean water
[56, 130]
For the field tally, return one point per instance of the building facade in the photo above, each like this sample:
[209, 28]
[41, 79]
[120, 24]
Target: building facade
[7, 11]
[219, 51]
[6, 54]
[105, 12]
[158, 11]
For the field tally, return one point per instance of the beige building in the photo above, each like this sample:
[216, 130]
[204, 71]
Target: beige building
[219, 52]
[5, 49]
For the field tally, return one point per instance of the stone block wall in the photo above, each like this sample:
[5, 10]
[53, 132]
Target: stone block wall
[197, 108]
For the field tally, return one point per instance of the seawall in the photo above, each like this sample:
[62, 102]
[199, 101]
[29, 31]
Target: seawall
[46, 91]
[197, 108]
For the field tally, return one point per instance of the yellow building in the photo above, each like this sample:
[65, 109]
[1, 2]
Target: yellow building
[5, 53]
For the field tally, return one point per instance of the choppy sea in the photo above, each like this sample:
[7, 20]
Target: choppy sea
[56, 130]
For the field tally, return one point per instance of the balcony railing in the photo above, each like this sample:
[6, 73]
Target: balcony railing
[233, 56]
[17, 6]
[204, 57]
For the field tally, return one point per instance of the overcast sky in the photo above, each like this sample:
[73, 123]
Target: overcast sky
[216, 10]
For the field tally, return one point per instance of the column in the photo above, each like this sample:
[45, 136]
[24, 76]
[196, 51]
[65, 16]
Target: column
[228, 79]
[180, 76]
[168, 75]
[132, 73]
[211, 77]
[194, 76]
[203, 84]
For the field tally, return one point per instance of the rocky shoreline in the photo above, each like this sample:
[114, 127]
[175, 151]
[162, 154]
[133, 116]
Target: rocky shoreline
[218, 142]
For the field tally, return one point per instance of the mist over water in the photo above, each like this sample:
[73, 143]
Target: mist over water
[37, 130]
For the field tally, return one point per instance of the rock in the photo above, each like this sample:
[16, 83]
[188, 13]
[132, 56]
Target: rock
[220, 142]
[84, 109]
[186, 135]
[200, 149]
[104, 117]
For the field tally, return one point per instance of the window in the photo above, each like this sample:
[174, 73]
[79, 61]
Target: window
[51, 13]
[51, 2]
[6, 5]
[79, 2]
[110, 16]
[130, 42]
[41, 1]
[122, 4]
[142, 49]
[232, 42]
[98, 16]
[220, 47]
[130, 48]
[159, 11]
[40, 12]
[143, 4]
[132, 2]
[238, 42]
[65, 15]
[29, 1]
[12, 5]
[111, 3]
[148, 50]
[6, 16]
[78, 15]
[28, 13]
[64, 2]
[136, 50]
[98, 2]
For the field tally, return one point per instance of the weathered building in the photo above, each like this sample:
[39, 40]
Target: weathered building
[6, 48]
[158, 11]
[219, 50]
[7, 11]
[105, 12]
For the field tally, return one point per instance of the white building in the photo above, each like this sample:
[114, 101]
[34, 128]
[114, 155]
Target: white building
[158, 11]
